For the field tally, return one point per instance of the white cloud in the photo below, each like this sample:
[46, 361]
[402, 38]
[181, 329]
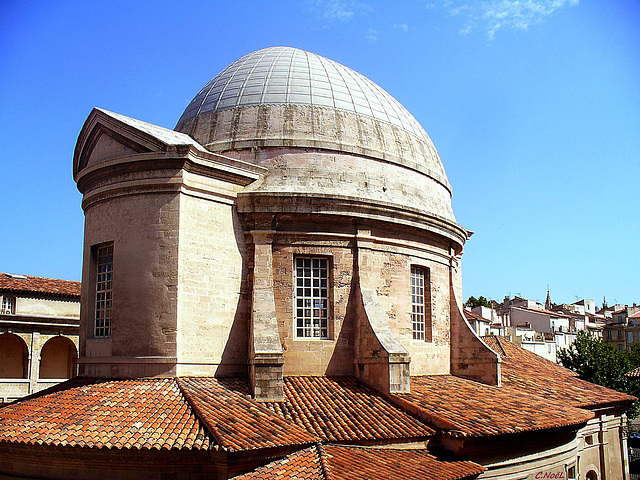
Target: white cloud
[372, 35]
[402, 27]
[493, 15]
[337, 10]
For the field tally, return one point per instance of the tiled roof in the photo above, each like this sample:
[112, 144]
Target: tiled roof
[28, 284]
[341, 409]
[472, 316]
[129, 414]
[300, 465]
[544, 312]
[237, 422]
[341, 462]
[635, 315]
[524, 371]
[465, 408]
[182, 413]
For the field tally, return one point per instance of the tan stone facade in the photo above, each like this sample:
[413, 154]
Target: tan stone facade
[204, 249]
[38, 336]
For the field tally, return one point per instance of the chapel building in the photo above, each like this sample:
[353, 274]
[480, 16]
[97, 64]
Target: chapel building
[273, 289]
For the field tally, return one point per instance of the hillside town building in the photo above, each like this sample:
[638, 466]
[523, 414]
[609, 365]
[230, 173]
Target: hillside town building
[39, 323]
[622, 328]
[273, 290]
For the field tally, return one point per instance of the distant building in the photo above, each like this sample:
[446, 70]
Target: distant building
[536, 342]
[480, 325]
[586, 306]
[555, 325]
[504, 310]
[623, 327]
[39, 323]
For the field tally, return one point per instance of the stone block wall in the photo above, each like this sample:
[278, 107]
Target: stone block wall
[332, 356]
[389, 273]
[144, 232]
[213, 295]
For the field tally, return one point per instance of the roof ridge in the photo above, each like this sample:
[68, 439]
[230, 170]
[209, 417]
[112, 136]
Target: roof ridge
[213, 432]
[324, 464]
[499, 343]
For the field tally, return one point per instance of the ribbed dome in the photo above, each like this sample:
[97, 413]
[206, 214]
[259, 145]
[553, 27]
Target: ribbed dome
[290, 76]
[320, 129]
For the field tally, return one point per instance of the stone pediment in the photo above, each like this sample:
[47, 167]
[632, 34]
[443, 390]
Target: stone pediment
[106, 135]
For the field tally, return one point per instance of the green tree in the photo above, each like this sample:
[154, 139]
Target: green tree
[473, 302]
[599, 362]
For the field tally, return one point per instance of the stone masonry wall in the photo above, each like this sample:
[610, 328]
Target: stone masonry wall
[390, 274]
[385, 269]
[213, 296]
[144, 231]
[333, 356]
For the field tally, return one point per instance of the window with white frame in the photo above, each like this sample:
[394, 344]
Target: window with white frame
[8, 305]
[420, 304]
[104, 290]
[312, 297]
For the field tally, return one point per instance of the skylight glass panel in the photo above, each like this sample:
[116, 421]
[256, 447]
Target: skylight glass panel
[275, 98]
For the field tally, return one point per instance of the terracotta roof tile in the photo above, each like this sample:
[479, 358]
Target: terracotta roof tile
[342, 409]
[237, 422]
[182, 413]
[29, 284]
[466, 408]
[342, 462]
[300, 465]
[473, 316]
[525, 371]
[130, 414]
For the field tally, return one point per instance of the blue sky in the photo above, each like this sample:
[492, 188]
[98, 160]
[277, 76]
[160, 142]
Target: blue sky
[533, 105]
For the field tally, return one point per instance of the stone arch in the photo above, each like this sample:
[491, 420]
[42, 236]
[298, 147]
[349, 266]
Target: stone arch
[14, 356]
[58, 358]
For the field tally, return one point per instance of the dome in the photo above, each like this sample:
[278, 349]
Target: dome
[320, 129]
[287, 97]
[285, 75]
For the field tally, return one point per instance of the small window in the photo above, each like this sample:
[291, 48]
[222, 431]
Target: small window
[420, 304]
[312, 297]
[8, 305]
[104, 291]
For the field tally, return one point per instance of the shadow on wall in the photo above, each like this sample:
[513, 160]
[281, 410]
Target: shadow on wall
[235, 356]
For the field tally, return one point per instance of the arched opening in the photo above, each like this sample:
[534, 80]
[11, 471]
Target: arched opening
[58, 358]
[591, 475]
[14, 357]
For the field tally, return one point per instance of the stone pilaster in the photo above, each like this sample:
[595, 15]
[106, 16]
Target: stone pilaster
[266, 358]
[380, 359]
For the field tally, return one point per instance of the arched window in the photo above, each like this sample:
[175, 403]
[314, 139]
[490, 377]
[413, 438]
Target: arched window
[591, 475]
[14, 357]
[58, 358]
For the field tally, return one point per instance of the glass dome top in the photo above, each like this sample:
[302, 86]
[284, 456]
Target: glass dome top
[285, 75]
